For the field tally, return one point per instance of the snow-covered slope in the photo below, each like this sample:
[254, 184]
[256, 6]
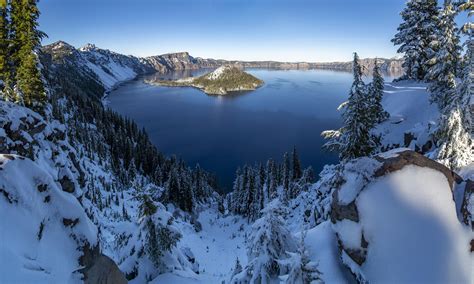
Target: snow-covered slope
[412, 116]
[43, 228]
[112, 68]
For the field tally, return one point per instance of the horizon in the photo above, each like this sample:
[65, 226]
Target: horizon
[282, 31]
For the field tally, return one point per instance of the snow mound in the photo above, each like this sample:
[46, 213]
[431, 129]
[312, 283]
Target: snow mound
[409, 220]
[43, 228]
[396, 219]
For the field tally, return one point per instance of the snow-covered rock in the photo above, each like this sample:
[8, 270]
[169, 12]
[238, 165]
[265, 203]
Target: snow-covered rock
[396, 220]
[43, 229]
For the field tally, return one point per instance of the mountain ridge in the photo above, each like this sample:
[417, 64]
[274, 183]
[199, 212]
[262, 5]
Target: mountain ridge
[184, 61]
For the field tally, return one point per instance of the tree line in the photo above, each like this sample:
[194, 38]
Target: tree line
[255, 186]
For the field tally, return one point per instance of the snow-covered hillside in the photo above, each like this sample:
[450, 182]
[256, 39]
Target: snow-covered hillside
[43, 229]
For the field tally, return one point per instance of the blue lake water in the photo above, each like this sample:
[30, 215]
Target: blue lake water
[223, 133]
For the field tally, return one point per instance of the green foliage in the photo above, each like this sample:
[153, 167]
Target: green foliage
[354, 139]
[159, 239]
[376, 95]
[414, 36]
[147, 207]
[4, 67]
[19, 42]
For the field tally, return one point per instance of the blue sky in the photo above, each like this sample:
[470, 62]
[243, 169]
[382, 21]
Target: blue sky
[290, 30]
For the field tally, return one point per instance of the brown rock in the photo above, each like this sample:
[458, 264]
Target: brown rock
[412, 158]
[99, 268]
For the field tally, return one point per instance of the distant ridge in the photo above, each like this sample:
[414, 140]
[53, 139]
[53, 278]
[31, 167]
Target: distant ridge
[184, 61]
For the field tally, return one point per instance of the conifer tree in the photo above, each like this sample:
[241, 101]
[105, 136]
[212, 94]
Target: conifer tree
[4, 42]
[26, 42]
[444, 64]
[286, 171]
[296, 165]
[237, 268]
[354, 139]
[376, 95]
[270, 242]
[415, 33]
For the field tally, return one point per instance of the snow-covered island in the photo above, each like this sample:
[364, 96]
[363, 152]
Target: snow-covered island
[222, 81]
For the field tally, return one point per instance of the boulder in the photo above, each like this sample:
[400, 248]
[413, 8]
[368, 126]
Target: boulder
[402, 204]
[99, 268]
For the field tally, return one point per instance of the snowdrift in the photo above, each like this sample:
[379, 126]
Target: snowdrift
[396, 221]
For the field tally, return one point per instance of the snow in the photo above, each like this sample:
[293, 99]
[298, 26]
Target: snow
[25, 257]
[118, 73]
[322, 247]
[409, 220]
[216, 74]
[410, 111]
[217, 246]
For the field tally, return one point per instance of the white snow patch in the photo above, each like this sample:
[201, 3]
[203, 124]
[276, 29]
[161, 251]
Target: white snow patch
[409, 220]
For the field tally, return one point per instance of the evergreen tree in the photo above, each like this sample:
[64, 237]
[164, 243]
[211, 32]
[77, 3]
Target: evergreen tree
[26, 42]
[4, 43]
[376, 95]
[415, 33]
[237, 268]
[250, 195]
[296, 165]
[272, 182]
[354, 139]
[270, 242]
[445, 62]
[285, 173]
[301, 269]
[455, 142]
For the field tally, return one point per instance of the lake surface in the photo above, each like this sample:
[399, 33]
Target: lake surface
[291, 109]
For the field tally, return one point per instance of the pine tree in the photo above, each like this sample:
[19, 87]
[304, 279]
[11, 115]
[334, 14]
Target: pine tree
[296, 165]
[4, 43]
[286, 172]
[26, 42]
[354, 139]
[415, 33]
[455, 143]
[301, 269]
[271, 180]
[454, 134]
[376, 95]
[445, 62]
[270, 242]
[237, 268]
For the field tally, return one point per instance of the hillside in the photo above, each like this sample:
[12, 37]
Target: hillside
[223, 80]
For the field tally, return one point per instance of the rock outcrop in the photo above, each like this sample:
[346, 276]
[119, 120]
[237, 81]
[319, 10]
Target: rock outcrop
[402, 206]
[99, 268]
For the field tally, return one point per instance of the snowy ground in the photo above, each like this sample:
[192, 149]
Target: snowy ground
[216, 247]
[410, 111]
